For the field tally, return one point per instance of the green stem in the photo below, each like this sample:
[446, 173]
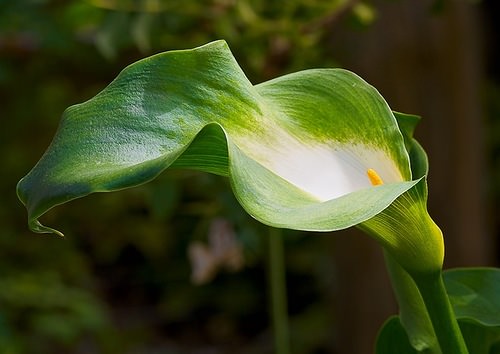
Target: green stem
[439, 308]
[412, 311]
[278, 291]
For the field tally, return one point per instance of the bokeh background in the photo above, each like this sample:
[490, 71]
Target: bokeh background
[135, 273]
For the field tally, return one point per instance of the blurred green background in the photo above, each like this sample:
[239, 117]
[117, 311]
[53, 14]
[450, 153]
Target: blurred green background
[122, 280]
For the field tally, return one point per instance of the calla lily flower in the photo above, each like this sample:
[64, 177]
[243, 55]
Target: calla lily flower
[317, 150]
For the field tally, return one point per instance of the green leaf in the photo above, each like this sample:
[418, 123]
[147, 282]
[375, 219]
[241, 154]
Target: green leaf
[392, 339]
[474, 294]
[296, 149]
[480, 339]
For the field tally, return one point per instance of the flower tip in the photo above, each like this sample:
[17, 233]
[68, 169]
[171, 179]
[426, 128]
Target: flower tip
[374, 178]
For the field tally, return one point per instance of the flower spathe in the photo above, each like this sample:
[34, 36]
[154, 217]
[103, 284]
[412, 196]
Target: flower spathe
[297, 149]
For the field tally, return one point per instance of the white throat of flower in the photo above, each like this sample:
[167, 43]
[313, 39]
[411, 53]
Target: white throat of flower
[327, 171]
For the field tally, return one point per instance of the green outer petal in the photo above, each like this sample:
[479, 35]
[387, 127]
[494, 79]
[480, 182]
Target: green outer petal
[407, 124]
[196, 109]
[408, 233]
[418, 157]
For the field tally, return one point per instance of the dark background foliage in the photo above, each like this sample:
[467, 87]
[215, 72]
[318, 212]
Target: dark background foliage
[120, 282]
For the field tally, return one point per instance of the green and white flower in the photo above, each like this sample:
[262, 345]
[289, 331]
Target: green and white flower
[315, 150]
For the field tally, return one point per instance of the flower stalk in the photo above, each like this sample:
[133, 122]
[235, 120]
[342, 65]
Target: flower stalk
[444, 322]
[279, 301]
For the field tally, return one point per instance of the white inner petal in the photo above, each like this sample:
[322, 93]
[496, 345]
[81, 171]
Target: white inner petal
[326, 171]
